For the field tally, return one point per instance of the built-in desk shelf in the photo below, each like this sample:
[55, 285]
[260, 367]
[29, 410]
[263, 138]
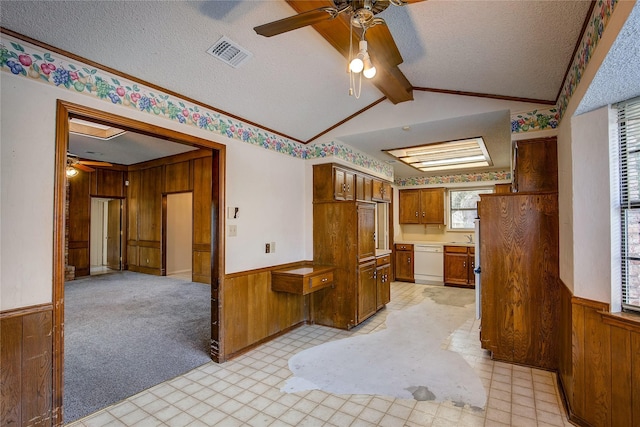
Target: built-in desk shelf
[302, 280]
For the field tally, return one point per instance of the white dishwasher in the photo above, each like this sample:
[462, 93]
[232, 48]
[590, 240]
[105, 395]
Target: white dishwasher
[429, 263]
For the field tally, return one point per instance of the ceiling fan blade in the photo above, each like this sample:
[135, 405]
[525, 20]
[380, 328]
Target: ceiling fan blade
[83, 167]
[298, 21]
[382, 47]
[94, 163]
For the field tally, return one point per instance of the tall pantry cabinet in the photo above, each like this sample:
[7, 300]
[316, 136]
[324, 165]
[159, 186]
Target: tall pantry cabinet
[519, 271]
[343, 237]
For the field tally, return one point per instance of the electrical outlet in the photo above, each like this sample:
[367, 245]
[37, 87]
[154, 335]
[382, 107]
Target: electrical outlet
[267, 248]
[232, 230]
[273, 247]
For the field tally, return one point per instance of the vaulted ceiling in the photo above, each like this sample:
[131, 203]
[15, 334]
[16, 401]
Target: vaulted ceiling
[296, 83]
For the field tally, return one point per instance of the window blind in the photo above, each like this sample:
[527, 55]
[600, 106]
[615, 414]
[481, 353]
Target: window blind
[629, 135]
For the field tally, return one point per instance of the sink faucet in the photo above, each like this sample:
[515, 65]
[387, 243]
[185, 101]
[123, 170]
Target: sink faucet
[469, 237]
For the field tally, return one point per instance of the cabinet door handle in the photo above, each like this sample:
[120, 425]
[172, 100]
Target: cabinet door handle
[344, 187]
[464, 263]
[324, 279]
[408, 260]
[416, 214]
[423, 215]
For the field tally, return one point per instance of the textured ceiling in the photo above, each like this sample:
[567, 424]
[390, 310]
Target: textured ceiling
[296, 84]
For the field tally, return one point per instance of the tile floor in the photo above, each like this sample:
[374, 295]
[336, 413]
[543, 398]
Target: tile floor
[246, 390]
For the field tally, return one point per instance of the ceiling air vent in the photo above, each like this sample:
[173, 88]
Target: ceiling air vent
[229, 52]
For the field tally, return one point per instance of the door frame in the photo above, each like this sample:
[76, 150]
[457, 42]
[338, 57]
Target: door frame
[67, 110]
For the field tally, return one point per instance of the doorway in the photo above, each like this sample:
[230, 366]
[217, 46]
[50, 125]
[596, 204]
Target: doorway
[214, 249]
[105, 239]
[179, 232]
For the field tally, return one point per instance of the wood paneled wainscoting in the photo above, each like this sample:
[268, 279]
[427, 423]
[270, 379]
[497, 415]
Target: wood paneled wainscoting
[26, 367]
[253, 313]
[599, 365]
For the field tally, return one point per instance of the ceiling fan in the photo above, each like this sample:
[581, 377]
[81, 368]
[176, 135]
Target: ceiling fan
[335, 21]
[74, 163]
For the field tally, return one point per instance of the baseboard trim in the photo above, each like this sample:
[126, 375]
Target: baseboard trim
[573, 418]
[262, 341]
[25, 311]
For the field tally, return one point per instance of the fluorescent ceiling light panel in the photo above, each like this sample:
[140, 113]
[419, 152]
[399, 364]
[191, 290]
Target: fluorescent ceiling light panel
[94, 130]
[460, 154]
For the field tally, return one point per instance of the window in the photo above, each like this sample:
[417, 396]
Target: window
[629, 134]
[463, 207]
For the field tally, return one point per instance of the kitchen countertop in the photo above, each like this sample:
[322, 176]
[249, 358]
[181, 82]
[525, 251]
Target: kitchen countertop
[427, 242]
[381, 252]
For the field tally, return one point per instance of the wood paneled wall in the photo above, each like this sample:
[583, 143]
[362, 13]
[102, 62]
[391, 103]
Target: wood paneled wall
[26, 367]
[148, 182]
[101, 183]
[599, 365]
[253, 312]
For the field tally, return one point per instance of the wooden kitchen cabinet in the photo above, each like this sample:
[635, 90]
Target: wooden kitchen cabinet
[366, 231]
[333, 182]
[367, 290]
[343, 184]
[343, 237]
[421, 206]
[520, 286]
[302, 280]
[459, 263]
[535, 165]
[404, 263]
[381, 191]
[364, 188]
[383, 268]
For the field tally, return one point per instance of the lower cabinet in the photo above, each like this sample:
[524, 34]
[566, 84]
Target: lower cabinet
[367, 290]
[459, 263]
[383, 283]
[404, 263]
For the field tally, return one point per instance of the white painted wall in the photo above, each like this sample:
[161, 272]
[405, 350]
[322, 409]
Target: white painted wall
[591, 207]
[267, 186]
[572, 188]
[565, 203]
[179, 232]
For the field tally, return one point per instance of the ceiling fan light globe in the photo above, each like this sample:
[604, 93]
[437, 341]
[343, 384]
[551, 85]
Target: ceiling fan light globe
[71, 172]
[369, 72]
[356, 65]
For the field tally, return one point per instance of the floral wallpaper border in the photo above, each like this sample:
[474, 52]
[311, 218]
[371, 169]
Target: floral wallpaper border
[535, 120]
[600, 16]
[454, 179]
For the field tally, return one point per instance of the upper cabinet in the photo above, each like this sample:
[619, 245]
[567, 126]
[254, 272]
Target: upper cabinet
[364, 188]
[381, 191]
[535, 165]
[422, 206]
[333, 182]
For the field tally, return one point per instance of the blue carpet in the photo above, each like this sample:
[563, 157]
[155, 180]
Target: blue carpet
[125, 332]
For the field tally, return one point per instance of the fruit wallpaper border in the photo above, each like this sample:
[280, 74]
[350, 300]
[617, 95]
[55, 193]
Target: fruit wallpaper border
[598, 21]
[454, 179]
